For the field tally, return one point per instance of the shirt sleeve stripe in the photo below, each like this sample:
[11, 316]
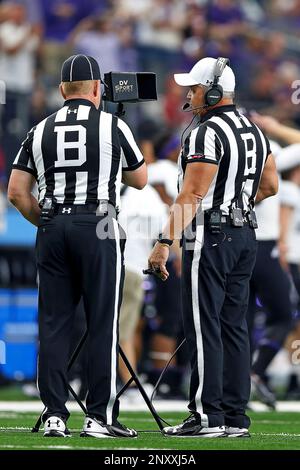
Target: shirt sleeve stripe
[17, 166]
[131, 154]
[205, 142]
[202, 160]
[134, 167]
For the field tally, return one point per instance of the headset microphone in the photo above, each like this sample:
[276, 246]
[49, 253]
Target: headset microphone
[187, 105]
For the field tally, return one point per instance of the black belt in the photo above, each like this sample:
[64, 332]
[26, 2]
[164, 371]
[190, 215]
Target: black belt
[100, 209]
[226, 219]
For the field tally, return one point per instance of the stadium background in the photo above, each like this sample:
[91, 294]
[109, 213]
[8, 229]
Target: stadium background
[261, 38]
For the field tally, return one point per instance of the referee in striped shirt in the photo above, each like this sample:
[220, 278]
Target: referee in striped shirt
[224, 166]
[78, 156]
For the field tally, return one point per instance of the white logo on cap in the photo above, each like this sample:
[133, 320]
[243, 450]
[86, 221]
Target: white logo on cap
[222, 60]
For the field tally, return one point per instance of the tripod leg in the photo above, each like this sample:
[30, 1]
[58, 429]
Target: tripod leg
[141, 389]
[124, 388]
[75, 396]
[37, 425]
[73, 358]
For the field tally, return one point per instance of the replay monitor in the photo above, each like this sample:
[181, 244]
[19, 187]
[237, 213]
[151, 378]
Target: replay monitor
[130, 87]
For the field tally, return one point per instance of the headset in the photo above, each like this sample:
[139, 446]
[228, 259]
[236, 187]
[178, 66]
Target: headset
[214, 93]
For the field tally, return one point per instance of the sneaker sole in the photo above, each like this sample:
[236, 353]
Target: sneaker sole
[239, 436]
[56, 434]
[207, 436]
[98, 435]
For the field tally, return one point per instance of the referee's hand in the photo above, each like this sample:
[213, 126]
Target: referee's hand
[157, 260]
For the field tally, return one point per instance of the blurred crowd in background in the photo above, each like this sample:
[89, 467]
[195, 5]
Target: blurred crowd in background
[260, 38]
[262, 41]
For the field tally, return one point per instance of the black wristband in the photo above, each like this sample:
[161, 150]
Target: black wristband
[164, 241]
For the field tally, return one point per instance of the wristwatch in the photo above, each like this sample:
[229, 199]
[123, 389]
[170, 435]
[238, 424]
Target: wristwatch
[164, 241]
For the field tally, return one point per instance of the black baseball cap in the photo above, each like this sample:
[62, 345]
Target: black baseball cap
[80, 67]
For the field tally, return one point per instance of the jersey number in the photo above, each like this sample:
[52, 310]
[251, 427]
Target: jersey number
[250, 152]
[62, 145]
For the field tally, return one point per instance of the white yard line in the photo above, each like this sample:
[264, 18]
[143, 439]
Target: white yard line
[9, 414]
[160, 406]
[273, 422]
[280, 434]
[48, 447]
[14, 428]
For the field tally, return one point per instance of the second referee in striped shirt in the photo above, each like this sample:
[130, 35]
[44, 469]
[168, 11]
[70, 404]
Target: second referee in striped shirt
[225, 165]
[78, 156]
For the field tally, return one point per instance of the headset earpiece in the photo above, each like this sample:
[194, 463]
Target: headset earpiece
[214, 94]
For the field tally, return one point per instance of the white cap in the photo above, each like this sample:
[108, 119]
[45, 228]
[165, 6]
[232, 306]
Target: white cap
[288, 158]
[203, 74]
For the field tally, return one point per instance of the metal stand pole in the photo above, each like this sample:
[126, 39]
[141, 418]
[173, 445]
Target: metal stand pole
[142, 390]
[134, 378]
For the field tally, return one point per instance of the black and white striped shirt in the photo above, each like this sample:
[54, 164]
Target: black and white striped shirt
[78, 154]
[230, 140]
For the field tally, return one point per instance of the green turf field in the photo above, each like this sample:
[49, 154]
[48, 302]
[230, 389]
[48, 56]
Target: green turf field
[270, 430]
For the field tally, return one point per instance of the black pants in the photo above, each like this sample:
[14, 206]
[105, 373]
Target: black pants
[215, 287]
[168, 305]
[73, 262]
[295, 273]
[270, 283]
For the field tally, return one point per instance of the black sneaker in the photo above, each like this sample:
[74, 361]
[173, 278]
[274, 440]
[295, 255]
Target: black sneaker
[93, 427]
[56, 427]
[191, 427]
[262, 391]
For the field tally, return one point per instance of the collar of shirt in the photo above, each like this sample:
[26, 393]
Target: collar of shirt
[78, 101]
[217, 111]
